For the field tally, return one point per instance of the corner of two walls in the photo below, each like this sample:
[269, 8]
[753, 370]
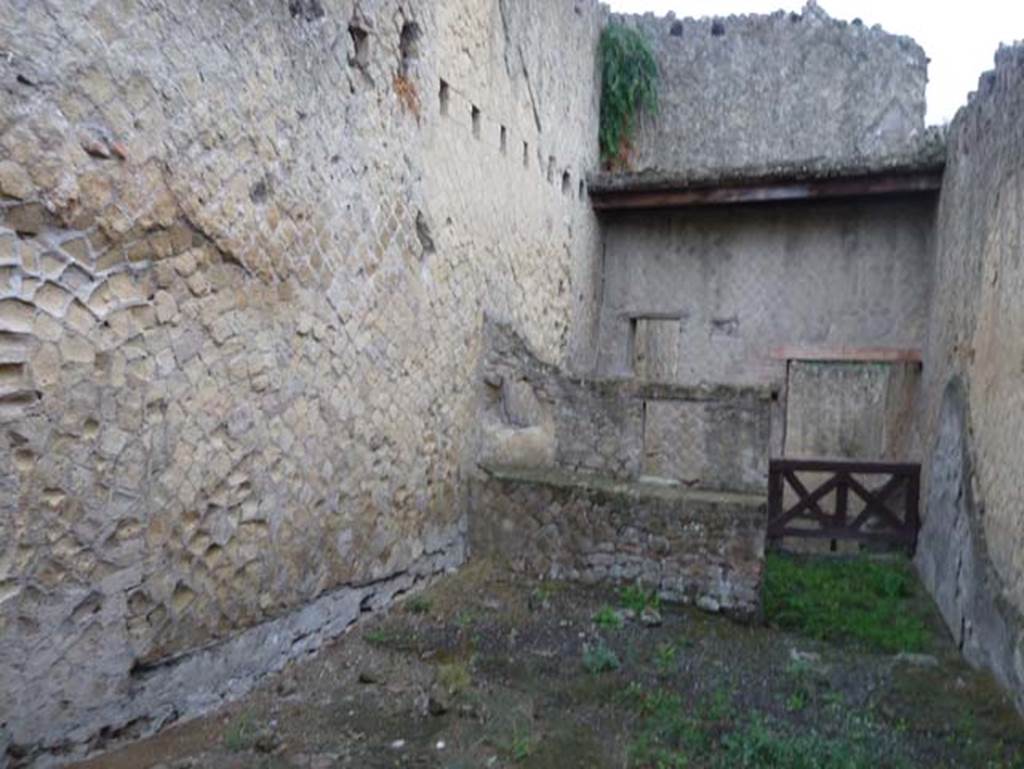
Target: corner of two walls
[244, 262]
[972, 540]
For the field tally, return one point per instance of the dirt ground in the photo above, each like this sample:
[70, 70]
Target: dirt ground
[486, 670]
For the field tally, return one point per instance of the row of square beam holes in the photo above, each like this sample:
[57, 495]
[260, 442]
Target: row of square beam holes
[475, 116]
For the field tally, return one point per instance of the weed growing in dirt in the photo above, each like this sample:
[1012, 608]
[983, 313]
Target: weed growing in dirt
[418, 604]
[241, 733]
[454, 677]
[599, 658]
[863, 600]
[635, 597]
[545, 591]
[665, 656]
[608, 618]
[762, 743]
[522, 747]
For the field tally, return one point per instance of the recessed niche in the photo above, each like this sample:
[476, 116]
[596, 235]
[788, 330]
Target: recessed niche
[551, 168]
[360, 46]
[583, 189]
[444, 95]
[503, 140]
[566, 183]
[474, 115]
[409, 45]
[526, 154]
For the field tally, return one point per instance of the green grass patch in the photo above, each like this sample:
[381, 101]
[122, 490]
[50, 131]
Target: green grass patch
[762, 743]
[715, 735]
[861, 600]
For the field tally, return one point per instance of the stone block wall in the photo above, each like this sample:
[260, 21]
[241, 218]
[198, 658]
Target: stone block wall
[971, 551]
[776, 90]
[245, 253]
[537, 415]
[698, 547]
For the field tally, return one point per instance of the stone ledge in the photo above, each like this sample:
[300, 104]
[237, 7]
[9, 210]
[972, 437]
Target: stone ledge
[917, 170]
[628, 490]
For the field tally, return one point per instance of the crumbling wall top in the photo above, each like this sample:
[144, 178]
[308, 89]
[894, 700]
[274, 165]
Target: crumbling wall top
[784, 89]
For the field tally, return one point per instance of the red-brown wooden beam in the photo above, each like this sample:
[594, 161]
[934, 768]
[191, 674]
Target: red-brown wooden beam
[766, 192]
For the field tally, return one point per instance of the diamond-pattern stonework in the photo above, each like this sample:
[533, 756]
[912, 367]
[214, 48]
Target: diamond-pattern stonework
[242, 281]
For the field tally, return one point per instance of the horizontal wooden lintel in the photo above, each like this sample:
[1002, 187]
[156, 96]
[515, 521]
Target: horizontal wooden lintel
[767, 191]
[826, 354]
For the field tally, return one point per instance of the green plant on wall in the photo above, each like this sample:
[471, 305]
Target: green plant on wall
[629, 80]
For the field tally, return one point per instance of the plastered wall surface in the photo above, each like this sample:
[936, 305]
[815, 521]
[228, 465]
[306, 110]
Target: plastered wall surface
[779, 89]
[852, 410]
[746, 281]
[972, 552]
[245, 252]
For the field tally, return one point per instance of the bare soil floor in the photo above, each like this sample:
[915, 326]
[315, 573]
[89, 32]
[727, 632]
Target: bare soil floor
[487, 670]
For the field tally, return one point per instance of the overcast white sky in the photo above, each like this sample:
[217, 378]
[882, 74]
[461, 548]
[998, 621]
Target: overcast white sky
[960, 38]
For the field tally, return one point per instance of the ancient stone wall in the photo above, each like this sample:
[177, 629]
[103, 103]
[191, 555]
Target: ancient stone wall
[786, 88]
[694, 547]
[245, 252]
[971, 553]
[536, 415]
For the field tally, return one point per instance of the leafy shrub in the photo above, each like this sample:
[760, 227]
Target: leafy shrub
[629, 77]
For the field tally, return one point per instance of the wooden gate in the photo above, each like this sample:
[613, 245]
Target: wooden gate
[846, 500]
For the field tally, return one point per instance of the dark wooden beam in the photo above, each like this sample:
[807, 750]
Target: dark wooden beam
[625, 199]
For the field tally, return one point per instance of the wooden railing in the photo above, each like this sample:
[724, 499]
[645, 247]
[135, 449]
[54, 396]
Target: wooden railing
[844, 500]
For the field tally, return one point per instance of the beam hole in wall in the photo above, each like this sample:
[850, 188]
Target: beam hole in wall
[409, 45]
[360, 46]
[444, 96]
[676, 29]
[503, 140]
[717, 28]
[566, 183]
[474, 115]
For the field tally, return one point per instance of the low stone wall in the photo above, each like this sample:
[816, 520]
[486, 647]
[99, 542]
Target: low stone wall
[699, 547]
